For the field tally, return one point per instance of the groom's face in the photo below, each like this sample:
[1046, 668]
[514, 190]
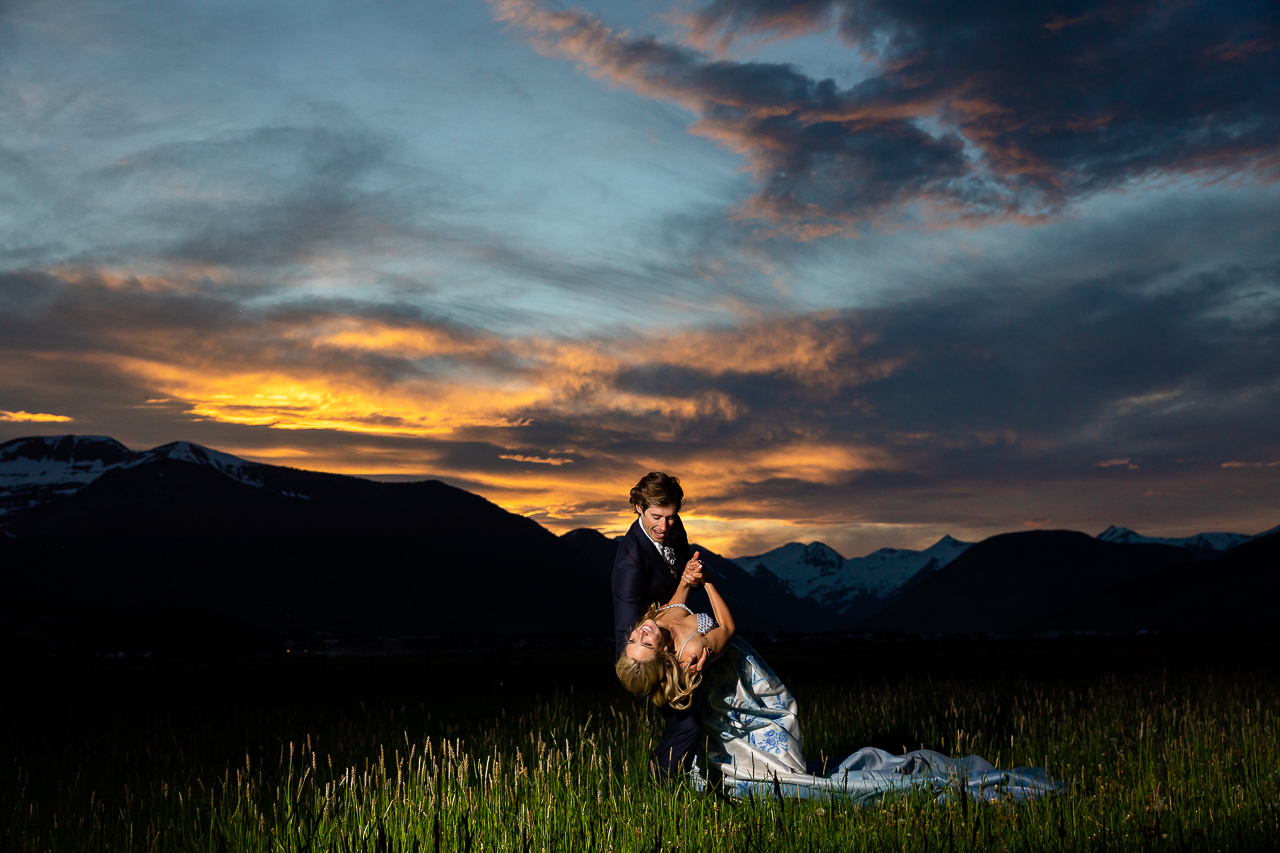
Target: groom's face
[657, 521]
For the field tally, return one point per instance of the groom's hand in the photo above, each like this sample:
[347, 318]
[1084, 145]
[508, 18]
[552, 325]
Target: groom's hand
[693, 571]
[699, 660]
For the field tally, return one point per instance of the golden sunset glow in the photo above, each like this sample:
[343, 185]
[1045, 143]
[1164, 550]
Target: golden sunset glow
[351, 403]
[465, 390]
[32, 417]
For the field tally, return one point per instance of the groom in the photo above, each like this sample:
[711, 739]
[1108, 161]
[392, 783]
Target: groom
[650, 561]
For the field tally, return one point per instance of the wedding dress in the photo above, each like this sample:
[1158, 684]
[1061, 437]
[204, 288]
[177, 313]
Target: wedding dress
[754, 746]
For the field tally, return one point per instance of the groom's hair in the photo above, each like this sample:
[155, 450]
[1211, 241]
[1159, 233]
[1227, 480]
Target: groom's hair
[657, 489]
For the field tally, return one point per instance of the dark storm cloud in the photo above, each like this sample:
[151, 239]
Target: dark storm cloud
[1039, 105]
[817, 150]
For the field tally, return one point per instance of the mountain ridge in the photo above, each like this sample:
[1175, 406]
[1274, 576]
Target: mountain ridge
[1033, 581]
[1201, 544]
[87, 522]
[297, 552]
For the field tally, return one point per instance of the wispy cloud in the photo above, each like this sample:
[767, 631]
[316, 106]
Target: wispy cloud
[978, 111]
[536, 460]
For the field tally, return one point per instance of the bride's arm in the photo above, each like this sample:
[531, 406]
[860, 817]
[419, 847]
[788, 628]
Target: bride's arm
[717, 639]
[681, 595]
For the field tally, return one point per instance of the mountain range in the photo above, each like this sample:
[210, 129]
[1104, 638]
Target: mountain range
[1060, 581]
[285, 551]
[34, 471]
[1202, 544]
[85, 522]
[851, 588]
[861, 587]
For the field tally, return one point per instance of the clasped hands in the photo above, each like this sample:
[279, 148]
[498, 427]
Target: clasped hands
[692, 571]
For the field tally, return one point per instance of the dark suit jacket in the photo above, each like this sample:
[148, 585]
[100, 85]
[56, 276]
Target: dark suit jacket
[641, 577]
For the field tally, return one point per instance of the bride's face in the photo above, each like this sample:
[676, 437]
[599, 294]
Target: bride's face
[645, 640]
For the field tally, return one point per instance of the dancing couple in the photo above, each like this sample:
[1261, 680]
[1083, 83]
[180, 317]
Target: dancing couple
[677, 647]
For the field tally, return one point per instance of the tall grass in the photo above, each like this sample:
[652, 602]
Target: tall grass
[1156, 761]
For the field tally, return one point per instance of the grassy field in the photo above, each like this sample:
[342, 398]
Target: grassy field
[1168, 744]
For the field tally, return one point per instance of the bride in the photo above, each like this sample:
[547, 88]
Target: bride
[752, 720]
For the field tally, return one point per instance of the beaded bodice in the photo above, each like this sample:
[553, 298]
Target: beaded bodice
[706, 622]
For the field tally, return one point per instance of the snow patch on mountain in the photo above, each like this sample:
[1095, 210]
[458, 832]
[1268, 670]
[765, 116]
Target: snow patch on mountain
[58, 459]
[817, 571]
[184, 451]
[35, 470]
[1203, 544]
[40, 469]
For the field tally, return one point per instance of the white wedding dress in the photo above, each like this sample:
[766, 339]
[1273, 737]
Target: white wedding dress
[754, 747]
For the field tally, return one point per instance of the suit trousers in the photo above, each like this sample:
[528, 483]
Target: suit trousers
[679, 745]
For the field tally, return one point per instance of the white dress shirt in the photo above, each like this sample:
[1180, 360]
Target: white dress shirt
[668, 553]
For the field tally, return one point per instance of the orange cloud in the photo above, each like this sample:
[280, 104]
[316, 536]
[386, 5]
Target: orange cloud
[266, 375]
[403, 341]
[303, 401]
[33, 417]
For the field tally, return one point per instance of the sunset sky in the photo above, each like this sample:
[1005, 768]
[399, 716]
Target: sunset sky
[864, 272]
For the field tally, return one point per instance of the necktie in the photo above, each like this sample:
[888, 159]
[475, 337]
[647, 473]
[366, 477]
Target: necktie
[669, 554]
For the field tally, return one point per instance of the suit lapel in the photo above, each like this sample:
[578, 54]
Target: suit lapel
[650, 553]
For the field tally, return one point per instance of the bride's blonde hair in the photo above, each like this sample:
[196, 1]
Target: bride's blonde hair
[662, 679]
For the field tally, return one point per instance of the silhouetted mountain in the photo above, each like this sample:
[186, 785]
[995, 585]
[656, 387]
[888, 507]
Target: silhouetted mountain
[89, 524]
[760, 603]
[593, 545]
[182, 527]
[1238, 590]
[1010, 584]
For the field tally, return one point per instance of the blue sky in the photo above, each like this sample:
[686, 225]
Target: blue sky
[868, 273]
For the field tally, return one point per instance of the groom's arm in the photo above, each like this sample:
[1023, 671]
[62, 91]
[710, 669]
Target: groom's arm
[629, 589]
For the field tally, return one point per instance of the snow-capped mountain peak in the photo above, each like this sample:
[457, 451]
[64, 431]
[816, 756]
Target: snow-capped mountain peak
[68, 461]
[796, 563]
[817, 571]
[42, 468]
[1203, 544]
[184, 451]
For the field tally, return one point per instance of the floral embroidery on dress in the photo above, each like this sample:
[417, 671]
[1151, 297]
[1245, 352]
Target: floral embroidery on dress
[773, 741]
